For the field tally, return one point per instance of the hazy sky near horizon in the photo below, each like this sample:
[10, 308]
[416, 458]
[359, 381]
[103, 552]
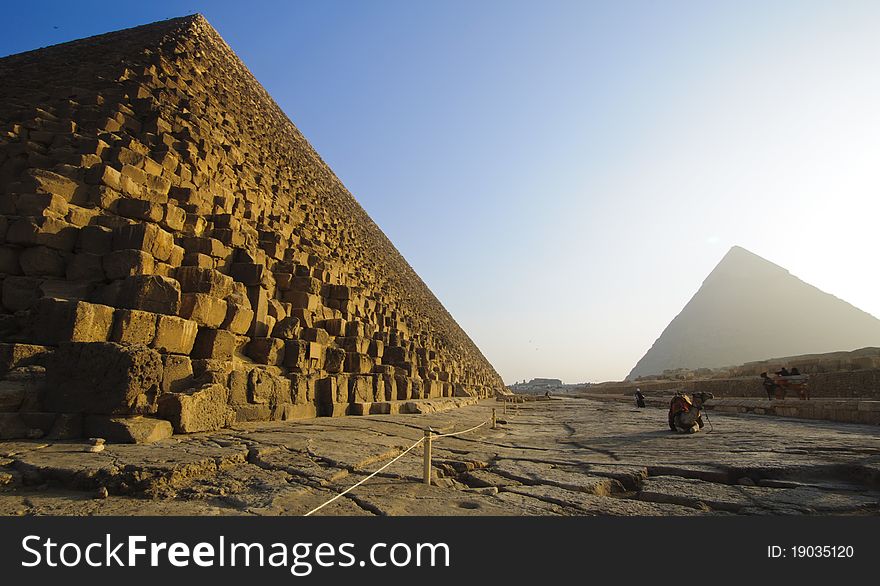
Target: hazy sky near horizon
[563, 175]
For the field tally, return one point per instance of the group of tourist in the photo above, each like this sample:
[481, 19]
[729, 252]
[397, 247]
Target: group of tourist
[772, 386]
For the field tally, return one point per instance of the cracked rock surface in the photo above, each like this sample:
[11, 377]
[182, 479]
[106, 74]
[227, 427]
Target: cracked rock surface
[557, 457]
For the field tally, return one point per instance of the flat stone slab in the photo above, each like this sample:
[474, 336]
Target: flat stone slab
[696, 493]
[561, 457]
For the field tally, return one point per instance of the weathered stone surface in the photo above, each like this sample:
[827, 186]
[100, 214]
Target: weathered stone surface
[177, 375]
[175, 334]
[214, 344]
[204, 409]
[20, 355]
[128, 262]
[146, 237]
[203, 309]
[286, 329]
[266, 351]
[238, 319]
[127, 430]
[103, 378]
[59, 320]
[150, 293]
[131, 326]
[209, 281]
[42, 261]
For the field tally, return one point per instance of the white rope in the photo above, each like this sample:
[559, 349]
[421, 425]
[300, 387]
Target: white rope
[357, 484]
[395, 459]
[462, 432]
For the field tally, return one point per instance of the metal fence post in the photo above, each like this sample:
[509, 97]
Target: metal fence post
[428, 456]
[493, 418]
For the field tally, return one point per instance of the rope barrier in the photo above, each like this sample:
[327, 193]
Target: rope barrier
[357, 484]
[395, 459]
[464, 431]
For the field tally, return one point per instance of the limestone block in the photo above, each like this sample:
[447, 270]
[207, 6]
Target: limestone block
[395, 355]
[266, 388]
[354, 344]
[296, 355]
[277, 310]
[334, 360]
[150, 293]
[20, 293]
[203, 409]
[318, 335]
[103, 378]
[127, 430]
[48, 231]
[197, 259]
[238, 318]
[120, 264]
[238, 387]
[283, 280]
[358, 363]
[302, 300]
[204, 245]
[417, 389]
[38, 204]
[177, 374]
[214, 344]
[286, 329]
[247, 273]
[61, 320]
[260, 305]
[334, 327]
[140, 209]
[12, 395]
[300, 388]
[131, 326]
[304, 411]
[84, 266]
[67, 426]
[43, 181]
[376, 349]
[360, 389]
[175, 259]
[42, 261]
[13, 356]
[144, 236]
[174, 334]
[308, 285]
[9, 264]
[266, 351]
[95, 240]
[203, 280]
[331, 390]
[203, 309]
[104, 175]
[250, 412]
[402, 385]
[174, 218]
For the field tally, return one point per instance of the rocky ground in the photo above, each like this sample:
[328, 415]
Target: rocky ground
[558, 457]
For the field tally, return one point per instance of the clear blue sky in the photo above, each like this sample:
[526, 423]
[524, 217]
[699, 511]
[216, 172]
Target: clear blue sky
[563, 175]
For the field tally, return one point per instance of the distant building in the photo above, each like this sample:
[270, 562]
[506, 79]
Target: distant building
[539, 386]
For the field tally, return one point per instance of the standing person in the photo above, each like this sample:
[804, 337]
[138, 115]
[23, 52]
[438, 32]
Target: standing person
[769, 385]
[640, 399]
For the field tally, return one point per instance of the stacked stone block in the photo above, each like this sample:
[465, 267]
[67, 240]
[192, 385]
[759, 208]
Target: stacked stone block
[165, 229]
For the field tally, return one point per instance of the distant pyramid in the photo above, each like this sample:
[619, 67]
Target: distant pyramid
[750, 309]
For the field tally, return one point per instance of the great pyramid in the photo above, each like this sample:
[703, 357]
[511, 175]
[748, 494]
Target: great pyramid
[751, 309]
[172, 246]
